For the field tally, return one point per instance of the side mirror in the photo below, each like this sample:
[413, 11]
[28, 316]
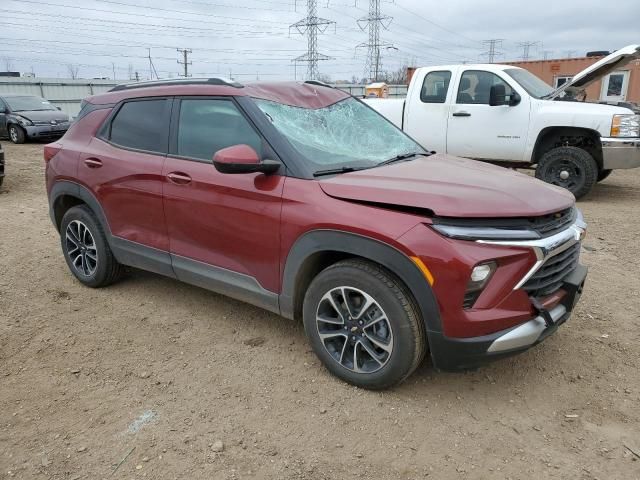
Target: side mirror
[497, 95]
[242, 159]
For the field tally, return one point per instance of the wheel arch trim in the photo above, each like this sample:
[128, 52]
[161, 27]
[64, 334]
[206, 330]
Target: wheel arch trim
[65, 187]
[353, 244]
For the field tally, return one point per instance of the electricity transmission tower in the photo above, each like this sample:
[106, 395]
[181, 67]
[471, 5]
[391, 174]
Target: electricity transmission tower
[526, 46]
[546, 53]
[185, 62]
[310, 26]
[493, 46]
[372, 23]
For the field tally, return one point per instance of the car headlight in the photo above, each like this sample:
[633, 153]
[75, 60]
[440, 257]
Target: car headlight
[625, 126]
[25, 122]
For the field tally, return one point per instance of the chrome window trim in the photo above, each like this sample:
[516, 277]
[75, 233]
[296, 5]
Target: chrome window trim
[546, 248]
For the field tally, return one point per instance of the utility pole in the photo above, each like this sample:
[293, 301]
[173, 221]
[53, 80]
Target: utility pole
[310, 26]
[372, 24]
[526, 47]
[137, 76]
[113, 68]
[185, 62]
[152, 67]
[493, 46]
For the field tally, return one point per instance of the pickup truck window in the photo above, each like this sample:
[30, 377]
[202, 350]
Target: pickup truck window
[475, 87]
[345, 134]
[532, 84]
[435, 87]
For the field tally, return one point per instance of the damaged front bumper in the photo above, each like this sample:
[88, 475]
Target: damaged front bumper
[453, 354]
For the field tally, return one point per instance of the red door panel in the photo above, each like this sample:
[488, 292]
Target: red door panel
[229, 221]
[128, 185]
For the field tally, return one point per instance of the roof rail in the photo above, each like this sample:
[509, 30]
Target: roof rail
[177, 81]
[318, 82]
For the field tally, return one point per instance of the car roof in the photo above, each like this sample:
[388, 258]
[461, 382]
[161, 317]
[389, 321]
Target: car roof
[299, 94]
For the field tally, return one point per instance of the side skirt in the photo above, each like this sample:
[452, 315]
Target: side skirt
[220, 280]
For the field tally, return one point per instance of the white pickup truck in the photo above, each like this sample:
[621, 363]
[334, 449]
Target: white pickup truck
[504, 114]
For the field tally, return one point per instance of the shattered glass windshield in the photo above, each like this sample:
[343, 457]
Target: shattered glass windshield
[347, 133]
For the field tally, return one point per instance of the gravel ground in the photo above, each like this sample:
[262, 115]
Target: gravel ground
[157, 379]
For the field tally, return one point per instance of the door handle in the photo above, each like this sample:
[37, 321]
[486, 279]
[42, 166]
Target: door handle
[179, 178]
[461, 114]
[93, 162]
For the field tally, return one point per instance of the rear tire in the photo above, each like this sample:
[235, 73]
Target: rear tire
[569, 167]
[363, 324]
[603, 174]
[16, 134]
[86, 249]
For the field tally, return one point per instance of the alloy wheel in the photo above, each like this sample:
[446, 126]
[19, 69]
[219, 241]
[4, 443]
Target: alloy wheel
[13, 134]
[81, 248]
[354, 329]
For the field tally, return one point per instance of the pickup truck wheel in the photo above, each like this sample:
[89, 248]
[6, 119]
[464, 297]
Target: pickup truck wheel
[16, 134]
[86, 250]
[363, 324]
[569, 167]
[602, 174]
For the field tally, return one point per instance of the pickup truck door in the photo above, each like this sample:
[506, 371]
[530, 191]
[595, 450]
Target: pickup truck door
[478, 130]
[427, 109]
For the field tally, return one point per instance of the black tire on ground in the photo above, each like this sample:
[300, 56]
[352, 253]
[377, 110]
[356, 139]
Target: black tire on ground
[569, 167]
[86, 250]
[603, 174]
[394, 323]
[16, 134]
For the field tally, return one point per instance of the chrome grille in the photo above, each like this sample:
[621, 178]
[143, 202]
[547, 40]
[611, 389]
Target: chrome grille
[549, 277]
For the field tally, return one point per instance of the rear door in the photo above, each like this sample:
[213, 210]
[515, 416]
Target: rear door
[3, 118]
[224, 229]
[123, 167]
[478, 130]
[426, 111]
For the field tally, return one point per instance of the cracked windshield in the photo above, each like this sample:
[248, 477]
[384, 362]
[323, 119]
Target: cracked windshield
[346, 133]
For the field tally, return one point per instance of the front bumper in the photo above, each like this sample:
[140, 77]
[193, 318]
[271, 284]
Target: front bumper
[46, 131]
[452, 354]
[620, 152]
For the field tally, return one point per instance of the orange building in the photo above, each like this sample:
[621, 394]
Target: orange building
[622, 85]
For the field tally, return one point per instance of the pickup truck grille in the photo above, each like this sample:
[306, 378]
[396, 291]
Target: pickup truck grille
[550, 276]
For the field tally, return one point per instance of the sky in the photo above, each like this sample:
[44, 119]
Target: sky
[252, 39]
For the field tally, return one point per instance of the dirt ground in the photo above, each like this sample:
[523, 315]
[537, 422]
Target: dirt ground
[157, 379]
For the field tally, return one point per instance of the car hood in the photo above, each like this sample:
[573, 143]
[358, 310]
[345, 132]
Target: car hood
[451, 187]
[43, 115]
[595, 72]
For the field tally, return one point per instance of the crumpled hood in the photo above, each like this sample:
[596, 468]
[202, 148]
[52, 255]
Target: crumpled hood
[451, 187]
[44, 115]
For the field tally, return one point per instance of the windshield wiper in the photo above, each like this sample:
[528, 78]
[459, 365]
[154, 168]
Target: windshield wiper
[333, 171]
[401, 157]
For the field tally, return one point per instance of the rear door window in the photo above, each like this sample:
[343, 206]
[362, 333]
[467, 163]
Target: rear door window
[435, 87]
[208, 125]
[142, 125]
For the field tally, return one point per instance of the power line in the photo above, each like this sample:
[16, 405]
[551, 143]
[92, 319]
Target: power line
[493, 46]
[372, 23]
[526, 46]
[185, 62]
[310, 26]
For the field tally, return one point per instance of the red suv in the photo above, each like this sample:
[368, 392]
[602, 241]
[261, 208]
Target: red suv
[300, 199]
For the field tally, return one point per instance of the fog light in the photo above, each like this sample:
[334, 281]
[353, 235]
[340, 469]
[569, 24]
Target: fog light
[479, 278]
[480, 272]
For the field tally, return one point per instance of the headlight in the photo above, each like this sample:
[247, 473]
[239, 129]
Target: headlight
[25, 122]
[625, 126]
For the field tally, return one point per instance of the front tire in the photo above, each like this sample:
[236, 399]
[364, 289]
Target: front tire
[16, 134]
[569, 167]
[363, 324]
[86, 250]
